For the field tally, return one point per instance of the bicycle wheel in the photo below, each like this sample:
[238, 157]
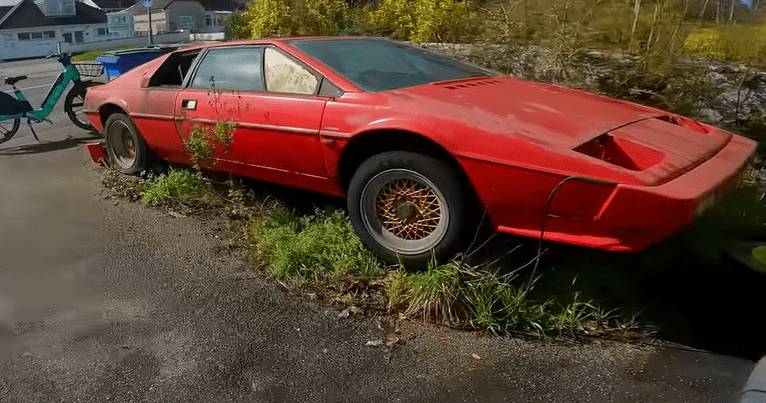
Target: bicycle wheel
[8, 128]
[74, 106]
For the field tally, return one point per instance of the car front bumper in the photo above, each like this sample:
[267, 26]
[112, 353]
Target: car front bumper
[633, 217]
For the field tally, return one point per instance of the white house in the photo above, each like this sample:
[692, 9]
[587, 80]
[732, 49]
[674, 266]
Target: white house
[172, 15]
[33, 28]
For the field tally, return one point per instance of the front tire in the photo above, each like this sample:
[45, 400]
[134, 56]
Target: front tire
[125, 148]
[8, 128]
[408, 207]
[74, 105]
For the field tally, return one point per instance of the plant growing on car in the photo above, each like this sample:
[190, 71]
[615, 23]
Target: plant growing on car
[203, 138]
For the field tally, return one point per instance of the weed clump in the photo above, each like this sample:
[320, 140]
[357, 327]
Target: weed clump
[176, 184]
[306, 247]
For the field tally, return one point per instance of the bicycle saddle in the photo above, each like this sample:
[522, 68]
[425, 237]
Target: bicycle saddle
[14, 80]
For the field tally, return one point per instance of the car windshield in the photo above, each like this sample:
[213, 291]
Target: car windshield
[379, 64]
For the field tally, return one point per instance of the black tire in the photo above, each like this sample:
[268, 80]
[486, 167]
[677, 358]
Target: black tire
[73, 105]
[392, 188]
[8, 128]
[126, 150]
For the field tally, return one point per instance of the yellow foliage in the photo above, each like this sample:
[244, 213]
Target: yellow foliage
[296, 17]
[268, 18]
[421, 20]
[743, 43]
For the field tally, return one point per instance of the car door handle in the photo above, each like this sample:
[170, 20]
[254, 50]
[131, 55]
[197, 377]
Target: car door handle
[189, 104]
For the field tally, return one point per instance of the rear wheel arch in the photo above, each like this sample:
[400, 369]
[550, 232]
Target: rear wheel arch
[108, 110]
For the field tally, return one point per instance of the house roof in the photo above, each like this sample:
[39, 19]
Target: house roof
[138, 7]
[217, 5]
[114, 4]
[27, 15]
[4, 10]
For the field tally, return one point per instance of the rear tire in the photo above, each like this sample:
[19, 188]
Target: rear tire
[8, 128]
[126, 150]
[74, 105]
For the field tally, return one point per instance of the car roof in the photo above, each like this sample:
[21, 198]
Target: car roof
[284, 40]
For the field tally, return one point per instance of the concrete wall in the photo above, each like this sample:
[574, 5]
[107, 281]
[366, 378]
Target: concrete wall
[210, 36]
[175, 37]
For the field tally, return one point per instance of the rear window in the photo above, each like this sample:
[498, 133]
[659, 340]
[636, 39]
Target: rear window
[380, 64]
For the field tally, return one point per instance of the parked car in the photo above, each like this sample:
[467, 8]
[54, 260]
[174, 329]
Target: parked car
[416, 141]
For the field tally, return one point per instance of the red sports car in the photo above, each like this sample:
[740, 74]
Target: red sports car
[416, 142]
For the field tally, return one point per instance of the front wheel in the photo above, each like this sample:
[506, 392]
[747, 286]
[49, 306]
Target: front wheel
[125, 148]
[408, 207]
[8, 128]
[74, 105]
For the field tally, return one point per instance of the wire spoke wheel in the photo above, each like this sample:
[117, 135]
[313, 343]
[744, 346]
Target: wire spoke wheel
[8, 128]
[407, 207]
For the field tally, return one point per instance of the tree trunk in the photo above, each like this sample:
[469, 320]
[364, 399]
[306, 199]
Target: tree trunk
[636, 10]
[704, 8]
[654, 23]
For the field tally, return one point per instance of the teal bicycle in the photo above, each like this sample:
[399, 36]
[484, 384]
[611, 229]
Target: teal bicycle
[14, 109]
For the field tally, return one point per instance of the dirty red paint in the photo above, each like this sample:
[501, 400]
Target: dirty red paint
[582, 168]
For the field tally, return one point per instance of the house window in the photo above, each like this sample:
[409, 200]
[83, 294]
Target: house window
[102, 31]
[27, 36]
[78, 37]
[185, 22]
[208, 20]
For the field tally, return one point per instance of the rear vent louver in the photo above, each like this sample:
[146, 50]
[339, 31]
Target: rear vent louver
[684, 122]
[474, 83]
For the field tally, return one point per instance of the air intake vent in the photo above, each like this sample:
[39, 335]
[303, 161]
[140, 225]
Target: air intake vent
[472, 83]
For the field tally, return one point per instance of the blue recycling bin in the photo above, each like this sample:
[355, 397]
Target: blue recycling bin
[120, 61]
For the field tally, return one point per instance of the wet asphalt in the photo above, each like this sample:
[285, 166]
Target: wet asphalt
[102, 299]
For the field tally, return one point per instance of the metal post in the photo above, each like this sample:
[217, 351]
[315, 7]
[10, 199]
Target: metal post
[150, 27]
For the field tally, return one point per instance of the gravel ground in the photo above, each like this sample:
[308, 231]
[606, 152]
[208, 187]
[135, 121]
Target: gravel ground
[175, 316]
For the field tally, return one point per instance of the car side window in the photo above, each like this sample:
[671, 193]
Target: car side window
[231, 68]
[283, 74]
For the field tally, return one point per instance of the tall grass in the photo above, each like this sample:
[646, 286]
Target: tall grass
[310, 248]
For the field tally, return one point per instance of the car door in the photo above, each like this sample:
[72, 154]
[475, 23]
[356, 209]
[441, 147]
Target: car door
[271, 100]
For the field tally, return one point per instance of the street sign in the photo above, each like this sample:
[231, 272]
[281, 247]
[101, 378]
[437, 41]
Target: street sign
[119, 22]
[148, 4]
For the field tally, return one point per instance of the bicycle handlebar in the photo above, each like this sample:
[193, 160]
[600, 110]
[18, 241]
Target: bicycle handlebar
[63, 58]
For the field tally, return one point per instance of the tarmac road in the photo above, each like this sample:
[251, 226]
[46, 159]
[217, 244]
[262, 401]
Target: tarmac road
[106, 300]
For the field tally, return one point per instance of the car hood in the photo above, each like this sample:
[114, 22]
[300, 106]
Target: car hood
[552, 115]
[653, 145]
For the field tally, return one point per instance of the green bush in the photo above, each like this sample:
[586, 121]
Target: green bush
[237, 26]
